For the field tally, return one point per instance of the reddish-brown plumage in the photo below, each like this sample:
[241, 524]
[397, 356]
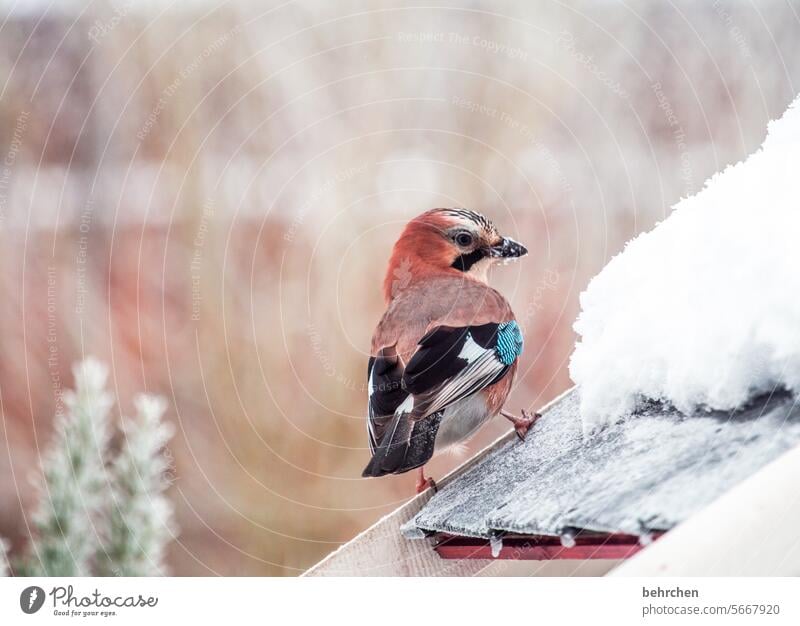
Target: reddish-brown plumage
[430, 298]
[496, 394]
[436, 278]
[419, 252]
[423, 291]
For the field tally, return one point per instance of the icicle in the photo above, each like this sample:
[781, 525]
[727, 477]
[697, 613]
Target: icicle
[568, 539]
[496, 544]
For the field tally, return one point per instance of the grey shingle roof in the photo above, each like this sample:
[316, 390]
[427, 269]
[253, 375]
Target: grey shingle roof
[646, 473]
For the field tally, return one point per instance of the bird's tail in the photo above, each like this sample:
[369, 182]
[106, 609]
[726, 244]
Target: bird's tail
[407, 444]
[391, 451]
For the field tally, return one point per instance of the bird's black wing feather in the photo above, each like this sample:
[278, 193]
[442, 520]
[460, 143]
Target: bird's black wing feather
[451, 364]
[407, 405]
[397, 443]
[384, 376]
[406, 445]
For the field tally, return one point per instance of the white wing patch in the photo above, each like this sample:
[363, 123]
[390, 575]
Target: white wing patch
[370, 432]
[471, 350]
[482, 368]
[407, 406]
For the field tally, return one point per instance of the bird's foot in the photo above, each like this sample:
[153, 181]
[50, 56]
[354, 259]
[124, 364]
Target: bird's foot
[425, 483]
[422, 485]
[521, 424]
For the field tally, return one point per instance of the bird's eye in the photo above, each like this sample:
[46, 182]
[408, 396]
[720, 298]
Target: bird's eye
[464, 239]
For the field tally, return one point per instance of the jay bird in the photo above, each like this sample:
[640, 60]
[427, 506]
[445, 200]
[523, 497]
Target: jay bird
[445, 352]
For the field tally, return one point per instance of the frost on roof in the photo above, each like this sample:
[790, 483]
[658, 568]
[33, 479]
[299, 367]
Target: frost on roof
[703, 309]
[646, 473]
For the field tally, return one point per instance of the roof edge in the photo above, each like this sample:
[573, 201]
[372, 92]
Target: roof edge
[741, 533]
[340, 562]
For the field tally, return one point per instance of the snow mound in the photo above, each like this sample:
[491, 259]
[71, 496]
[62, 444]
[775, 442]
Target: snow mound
[703, 310]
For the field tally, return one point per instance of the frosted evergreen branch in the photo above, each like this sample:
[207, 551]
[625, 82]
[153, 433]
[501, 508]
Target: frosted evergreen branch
[99, 514]
[140, 519]
[74, 477]
[4, 567]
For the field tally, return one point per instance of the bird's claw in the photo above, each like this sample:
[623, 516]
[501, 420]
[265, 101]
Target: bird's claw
[422, 485]
[523, 424]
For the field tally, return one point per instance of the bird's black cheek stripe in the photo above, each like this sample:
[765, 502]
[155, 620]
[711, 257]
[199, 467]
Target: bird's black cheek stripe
[466, 261]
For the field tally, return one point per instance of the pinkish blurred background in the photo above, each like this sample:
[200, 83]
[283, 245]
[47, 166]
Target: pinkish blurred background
[204, 195]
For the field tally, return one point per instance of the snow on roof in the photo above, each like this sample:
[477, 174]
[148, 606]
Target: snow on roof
[702, 311]
[688, 372]
[647, 473]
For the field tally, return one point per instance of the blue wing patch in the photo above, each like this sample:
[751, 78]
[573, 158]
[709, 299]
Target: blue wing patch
[509, 342]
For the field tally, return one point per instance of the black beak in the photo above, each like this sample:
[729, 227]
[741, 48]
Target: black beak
[508, 249]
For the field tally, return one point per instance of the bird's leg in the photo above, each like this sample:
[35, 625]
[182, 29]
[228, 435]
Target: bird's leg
[521, 424]
[422, 482]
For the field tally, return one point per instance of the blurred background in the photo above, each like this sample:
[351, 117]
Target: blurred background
[204, 195]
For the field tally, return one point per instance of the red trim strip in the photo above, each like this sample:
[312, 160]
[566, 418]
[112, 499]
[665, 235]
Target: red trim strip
[541, 548]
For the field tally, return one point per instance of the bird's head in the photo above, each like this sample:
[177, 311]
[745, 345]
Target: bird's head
[455, 241]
